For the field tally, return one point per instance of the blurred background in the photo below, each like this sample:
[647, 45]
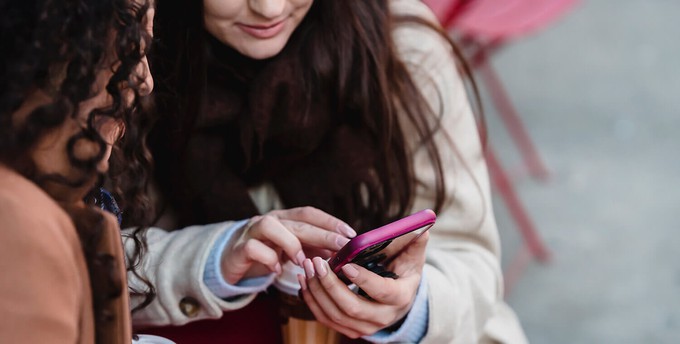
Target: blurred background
[598, 90]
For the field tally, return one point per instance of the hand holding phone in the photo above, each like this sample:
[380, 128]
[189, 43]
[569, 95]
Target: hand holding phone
[375, 249]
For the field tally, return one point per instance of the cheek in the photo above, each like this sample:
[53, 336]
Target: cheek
[223, 10]
[219, 16]
[110, 130]
[144, 73]
[50, 154]
[301, 3]
[301, 9]
[102, 99]
[103, 165]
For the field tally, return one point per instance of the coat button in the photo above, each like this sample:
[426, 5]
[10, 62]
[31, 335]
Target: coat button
[189, 306]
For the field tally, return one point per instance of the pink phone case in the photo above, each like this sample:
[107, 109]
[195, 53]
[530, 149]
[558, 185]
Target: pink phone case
[388, 240]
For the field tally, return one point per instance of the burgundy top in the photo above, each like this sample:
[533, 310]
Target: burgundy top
[256, 323]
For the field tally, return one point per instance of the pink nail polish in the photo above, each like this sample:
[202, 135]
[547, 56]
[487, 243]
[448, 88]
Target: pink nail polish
[309, 268]
[320, 266]
[341, 241]
[347, 230]
[300, 257]
[350, 271]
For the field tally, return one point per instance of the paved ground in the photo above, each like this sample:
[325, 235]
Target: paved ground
[600, 93]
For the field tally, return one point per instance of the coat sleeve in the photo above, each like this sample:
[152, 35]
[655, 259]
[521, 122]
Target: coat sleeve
[174, 263]
[465, 281]
[41, 288]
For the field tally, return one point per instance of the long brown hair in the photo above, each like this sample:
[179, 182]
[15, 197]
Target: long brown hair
[58, 48]
[320, 121]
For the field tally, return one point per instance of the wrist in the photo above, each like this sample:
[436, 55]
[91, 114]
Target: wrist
[397, 325]
[214, 276]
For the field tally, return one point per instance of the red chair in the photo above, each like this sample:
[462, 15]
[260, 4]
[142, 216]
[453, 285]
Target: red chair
[483, 26]
[486, 25]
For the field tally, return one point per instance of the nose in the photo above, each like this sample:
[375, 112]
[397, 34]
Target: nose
[269, 9]
[146, 88]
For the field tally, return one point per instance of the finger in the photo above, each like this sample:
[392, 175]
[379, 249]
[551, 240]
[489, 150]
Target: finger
[412, 258]
[270, 228]
[318, 237]
[317, 218]
[420, 244]
[303, 282]
[344, 307]
[244, 255]
[398, 292]
[256, 251]
[313, 305]
[331, 317]
[321, 317]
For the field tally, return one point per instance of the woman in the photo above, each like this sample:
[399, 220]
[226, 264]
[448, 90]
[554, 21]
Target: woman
[354, 107]
[73, 74]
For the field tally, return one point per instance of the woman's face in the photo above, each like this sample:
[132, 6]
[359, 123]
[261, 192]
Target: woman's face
[258, 29]
[49, 154]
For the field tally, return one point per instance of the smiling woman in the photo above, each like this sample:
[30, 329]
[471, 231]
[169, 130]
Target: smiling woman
[74, 75]
[258, 29]
[355, 108]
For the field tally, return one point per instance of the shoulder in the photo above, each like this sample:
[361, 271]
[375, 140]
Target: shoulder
[23, 196]
[418, 43]
[429, 56]
[23, 203]
[412, 7]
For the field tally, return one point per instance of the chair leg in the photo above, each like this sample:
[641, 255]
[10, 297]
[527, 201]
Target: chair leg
[507, 191]
[510, 117]
[515, 269]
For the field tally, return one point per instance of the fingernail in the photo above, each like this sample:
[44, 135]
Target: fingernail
[309, 268]
[301, 280]
[341, 241]
[300, 257]
[350, 271]
[347, 230]
[277, 268]
[320, 266]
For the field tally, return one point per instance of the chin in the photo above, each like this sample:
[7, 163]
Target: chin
[264, 50]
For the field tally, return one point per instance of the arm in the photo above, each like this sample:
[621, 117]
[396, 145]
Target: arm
[465, 281]
[179, 263]
[174, 263]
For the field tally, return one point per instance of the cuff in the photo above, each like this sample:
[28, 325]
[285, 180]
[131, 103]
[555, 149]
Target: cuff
[414, 327]
[212, 276]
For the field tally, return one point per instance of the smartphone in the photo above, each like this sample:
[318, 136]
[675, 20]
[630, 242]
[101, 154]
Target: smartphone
[376, 248]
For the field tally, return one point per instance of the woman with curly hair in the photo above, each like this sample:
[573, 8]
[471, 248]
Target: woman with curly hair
[74, 75]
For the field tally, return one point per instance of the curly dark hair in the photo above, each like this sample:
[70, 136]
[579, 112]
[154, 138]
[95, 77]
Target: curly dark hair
[59, 48]
[319, 120]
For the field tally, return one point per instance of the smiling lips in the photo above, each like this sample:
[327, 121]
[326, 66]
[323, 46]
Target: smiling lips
[263, 31]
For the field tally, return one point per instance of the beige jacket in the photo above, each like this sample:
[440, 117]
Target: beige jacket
[463, 271]
[45, 294]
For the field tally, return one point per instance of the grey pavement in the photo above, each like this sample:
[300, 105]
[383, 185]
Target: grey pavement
[600, 94]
